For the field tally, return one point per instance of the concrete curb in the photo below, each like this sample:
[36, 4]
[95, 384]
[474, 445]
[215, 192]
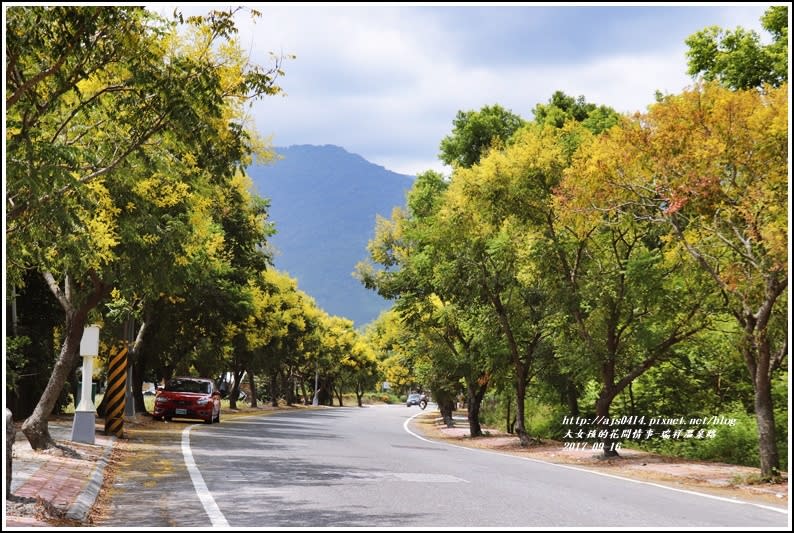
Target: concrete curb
[82, 505]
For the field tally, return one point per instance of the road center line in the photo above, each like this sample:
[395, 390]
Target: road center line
[213, 511]
[740, 502]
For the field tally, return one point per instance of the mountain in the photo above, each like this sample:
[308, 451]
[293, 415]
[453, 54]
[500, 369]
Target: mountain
[323, 201]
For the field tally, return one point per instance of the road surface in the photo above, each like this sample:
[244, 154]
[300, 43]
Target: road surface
[359, 467]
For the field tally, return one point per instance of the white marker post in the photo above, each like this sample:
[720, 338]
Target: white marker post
[83, 428]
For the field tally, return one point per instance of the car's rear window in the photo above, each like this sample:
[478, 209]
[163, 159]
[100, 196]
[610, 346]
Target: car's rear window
[188, 385]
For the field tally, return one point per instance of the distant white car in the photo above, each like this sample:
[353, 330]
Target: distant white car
[413, 399]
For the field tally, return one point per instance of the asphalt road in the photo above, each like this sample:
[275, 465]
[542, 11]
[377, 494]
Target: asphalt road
[351, 467]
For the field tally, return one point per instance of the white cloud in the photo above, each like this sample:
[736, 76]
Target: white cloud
[386, 82]
[410, 167]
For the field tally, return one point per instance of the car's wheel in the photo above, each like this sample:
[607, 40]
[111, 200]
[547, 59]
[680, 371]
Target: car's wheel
[167, 418]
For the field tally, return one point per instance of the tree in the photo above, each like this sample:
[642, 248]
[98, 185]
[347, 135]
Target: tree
[388, 338]
[416, 256]
[279, 332]
[475, 132]
[737, 59]
[365, 369]
[628, 303]
[337, 339]
[552, 268]
[563, 108]
[83, 164]
[710, 165]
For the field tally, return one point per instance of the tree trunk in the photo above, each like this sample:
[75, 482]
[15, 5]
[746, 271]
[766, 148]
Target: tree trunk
[633, 408]
[326, 396]
[602, 421]
[303, 392]
[11, 433]
[234, 393]
[476, 392]
[35, 427]
[339, 395]
[359, 394]
[758, 358]
[508, 425]
[767, 442]
[289, 397]
[521, 393]
[274, 389]
[446, 405]
[137, 387]
[252, 383]
[138, 369]
[521, 368]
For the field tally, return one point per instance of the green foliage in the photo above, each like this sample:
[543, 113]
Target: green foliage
[737, 59]
[563, 108]
[382, 397]
[708, 169]
[15, 359]
[544, 419]
[734, 444]
[126, 143]
[38, 317]
[475, 132]
[551, 256]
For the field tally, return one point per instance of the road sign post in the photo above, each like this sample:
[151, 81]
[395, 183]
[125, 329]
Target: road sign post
[83, 427]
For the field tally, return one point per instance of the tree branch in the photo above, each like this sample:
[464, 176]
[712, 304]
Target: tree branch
[709, 270]
[777, 359]
[25, 87]
[774, 288]
[56, 291]
[20, 209]
[109, 89]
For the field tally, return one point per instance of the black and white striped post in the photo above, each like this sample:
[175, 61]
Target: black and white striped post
[117, 384]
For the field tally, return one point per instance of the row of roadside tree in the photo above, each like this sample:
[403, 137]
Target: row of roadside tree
[128, 206]
[637, 263]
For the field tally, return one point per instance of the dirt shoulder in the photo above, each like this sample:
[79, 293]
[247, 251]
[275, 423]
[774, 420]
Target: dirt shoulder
[719, 479]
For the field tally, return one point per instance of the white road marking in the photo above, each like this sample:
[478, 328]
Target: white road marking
[213, 511]
[740, 502]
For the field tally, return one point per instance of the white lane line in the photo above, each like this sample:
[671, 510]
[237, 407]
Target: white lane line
[740, 502]
[213, 511]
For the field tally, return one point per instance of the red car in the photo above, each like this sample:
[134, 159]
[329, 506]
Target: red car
[188, 398]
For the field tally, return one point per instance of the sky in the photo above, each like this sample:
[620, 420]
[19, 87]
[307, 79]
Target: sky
[385, 81]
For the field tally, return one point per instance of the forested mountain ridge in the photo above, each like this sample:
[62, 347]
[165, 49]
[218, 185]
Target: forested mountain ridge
[323, 201]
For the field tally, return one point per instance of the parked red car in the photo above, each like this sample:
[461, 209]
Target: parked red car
[188, 398]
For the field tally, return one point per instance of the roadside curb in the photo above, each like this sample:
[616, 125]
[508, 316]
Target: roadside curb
[85, 501]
